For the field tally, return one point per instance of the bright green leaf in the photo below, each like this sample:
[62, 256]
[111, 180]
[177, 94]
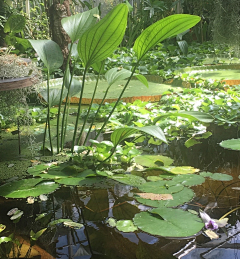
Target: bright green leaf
[126, 226]
[233, 144]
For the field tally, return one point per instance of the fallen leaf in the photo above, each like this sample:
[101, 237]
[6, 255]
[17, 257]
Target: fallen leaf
[10, 165]
[211, 234]
[155, 197]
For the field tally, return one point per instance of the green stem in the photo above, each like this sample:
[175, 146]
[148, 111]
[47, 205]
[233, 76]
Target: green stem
[61, 95]
[65, 128]
[48, 113]
[79, 109]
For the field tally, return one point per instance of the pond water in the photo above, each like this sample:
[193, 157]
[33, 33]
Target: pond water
[92, 206]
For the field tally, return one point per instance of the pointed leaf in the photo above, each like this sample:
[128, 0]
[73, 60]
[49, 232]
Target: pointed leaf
[233, 144]
[103, 38]
[77, 24]
[54, 96]
[161, 30]
[115, 74]
[183, 47]
[142, 79]
[49, 52]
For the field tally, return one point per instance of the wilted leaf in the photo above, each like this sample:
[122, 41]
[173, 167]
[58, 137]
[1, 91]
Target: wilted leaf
[211, 234]
[155, 197]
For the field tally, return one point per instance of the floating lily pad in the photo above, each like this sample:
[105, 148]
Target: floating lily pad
[154, 178]
[233, 144]
[126, 226]
[128, 179]
[161, 187]
[189, 180]
[37, 169]
[206, 174]
[179, 198]
[221, 177]
[27, 187]
[168, 222]
[155, 197]
[180, 169]
[153, 161]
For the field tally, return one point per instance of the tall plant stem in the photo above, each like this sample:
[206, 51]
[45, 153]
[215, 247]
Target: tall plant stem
[48, 113]
[61, 94]
[118, 100]
[89, 109]
[79, 109]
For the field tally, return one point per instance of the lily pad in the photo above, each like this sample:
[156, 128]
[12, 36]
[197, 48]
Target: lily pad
[180, 169]
[221, 177]
[27, 187]
[153, 161]
[168, 222]
[179, 198]
[206, 174]
[128, 179]
[189, 180]
[126, 226]
[233, 144]
[161, 187]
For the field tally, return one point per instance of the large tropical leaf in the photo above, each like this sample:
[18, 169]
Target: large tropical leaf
[54, 96]
[122, 133]
[49, 52]
[77, 24]
[163, 29]
[102, 39]
[15, 23]
[191, 115]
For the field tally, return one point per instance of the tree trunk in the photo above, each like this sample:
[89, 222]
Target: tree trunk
[56, 12]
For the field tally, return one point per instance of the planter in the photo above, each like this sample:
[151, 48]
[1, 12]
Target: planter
[16, 83]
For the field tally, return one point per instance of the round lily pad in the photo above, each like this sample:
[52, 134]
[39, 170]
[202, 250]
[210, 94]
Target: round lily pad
[153, 161]
[126, 226]
[128, 179]
[179, 169]
[189, 179]
[168, 222]
[179, 198]
[233, 144]
[206, 174]
[221, 177]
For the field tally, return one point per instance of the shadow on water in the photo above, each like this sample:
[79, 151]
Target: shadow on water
[93, 206]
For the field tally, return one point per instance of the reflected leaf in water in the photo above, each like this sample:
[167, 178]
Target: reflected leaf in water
[126, 226]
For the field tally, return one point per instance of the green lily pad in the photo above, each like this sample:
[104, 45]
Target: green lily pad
[221, 177]
[179, 169]
[179, 198]
[153, 161]
[126, 226]
[189, 180]
[37, 169]
[70, 181]
[206, 174]
[128, 179]
[161, 187]
[27, 187]
[168, 222]
[233, 144]
[154, 178]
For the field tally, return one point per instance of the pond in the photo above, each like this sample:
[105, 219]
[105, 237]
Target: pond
[94, 205]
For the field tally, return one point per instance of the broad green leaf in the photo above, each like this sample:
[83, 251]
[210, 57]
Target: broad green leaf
[153, 160]
[122, 133]
[221, 177]
[191, 115]
[168, 222]
[183, 47]
[233, 144]
[27, 187]
[161, 187]
[54, 96]
[5, 239]
[142, 79]
[179, 198]
[206, 174]
[49, 52]
[115, 74]
[189, 180]
[161, 30]
[37, 169]
[191, 142]
[75, 87]
[126, 226]
[99, 66]
[128, 179]
[179, 169]
[24, 42]
[97, 43]
[15, 23]
[77, 24]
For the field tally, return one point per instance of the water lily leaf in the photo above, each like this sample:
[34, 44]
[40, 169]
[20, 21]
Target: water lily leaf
[126, 226]
[161, 187]
[97, 43]
[112, 222]
[161, 30]
[168, 222]
[76, 25]
[57, 221]
[151, 160]
[27, 187]
[189, 180]
[70, 181]
[49, 52]
[155, 197]
[35, 170]
[72, 224]
[128, 179]
[154, 178]
[206, 174]
[179, 198]
[233, 144]
[179, 169]
[221, 177]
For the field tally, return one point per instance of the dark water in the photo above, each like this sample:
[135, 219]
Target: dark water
[92, 207]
